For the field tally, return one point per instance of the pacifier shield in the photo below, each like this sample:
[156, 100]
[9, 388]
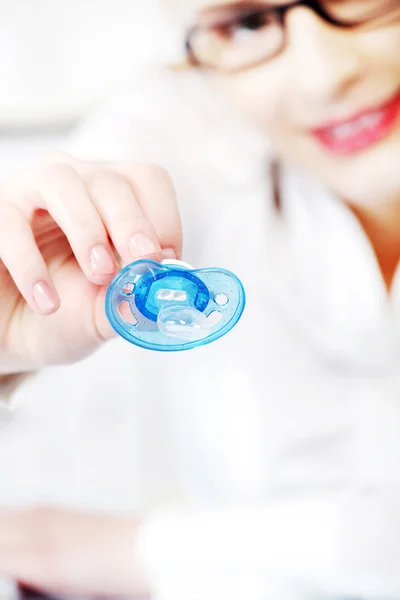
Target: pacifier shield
[171, 307]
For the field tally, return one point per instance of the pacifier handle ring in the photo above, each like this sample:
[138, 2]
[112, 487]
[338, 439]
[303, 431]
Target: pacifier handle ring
[176, 263]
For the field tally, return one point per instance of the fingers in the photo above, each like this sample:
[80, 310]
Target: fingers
[131, 232]
[71, 552]
[156, 195]
[21, 257]
[65, 196]
[28, 544]
[98, 206]
[132, 204]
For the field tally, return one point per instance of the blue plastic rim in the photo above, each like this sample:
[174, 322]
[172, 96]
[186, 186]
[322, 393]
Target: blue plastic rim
[146, 290]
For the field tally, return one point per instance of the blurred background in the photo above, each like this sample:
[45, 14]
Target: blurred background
[60, 58]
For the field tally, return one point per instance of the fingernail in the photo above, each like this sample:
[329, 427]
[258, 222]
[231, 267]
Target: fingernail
[169, 253]
[44, 297]
[141, 245]
[101, 261]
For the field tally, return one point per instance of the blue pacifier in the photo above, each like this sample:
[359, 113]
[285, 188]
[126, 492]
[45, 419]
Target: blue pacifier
[169, 306]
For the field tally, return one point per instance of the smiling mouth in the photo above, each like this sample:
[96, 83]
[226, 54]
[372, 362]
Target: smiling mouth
[361, 131]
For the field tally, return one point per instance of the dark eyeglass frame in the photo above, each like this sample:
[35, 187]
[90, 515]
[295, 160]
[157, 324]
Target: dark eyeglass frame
[279, 14]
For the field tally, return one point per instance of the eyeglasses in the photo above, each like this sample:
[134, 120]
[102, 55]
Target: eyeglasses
[242, 35]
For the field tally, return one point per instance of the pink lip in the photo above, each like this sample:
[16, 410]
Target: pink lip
[362, 135]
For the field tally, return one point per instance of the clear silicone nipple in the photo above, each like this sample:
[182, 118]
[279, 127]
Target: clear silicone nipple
[183, 322]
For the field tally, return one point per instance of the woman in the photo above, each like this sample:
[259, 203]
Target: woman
[272, 466]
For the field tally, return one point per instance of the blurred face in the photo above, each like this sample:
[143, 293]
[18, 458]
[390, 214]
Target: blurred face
[322, 81]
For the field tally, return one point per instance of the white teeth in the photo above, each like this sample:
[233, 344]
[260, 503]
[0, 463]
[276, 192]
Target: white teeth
[365, 122]
[371, 120]
[342, 131]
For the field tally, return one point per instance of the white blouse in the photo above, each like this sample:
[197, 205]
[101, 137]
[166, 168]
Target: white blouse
[267, 462]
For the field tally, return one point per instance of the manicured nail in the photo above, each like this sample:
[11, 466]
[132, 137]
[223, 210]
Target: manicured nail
[141, 245]
[101, 261]
[169, 253]
[45, 300]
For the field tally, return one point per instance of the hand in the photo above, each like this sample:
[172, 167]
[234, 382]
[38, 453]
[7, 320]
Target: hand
[60, 225]
[71, 553]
